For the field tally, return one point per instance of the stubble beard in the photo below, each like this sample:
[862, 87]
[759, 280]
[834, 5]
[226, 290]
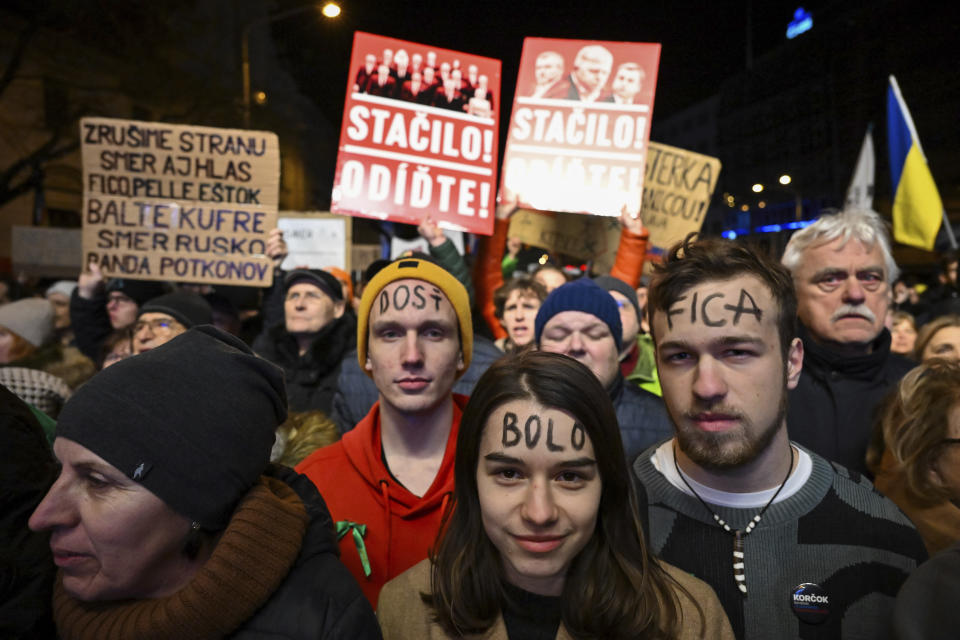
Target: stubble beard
[730, 449]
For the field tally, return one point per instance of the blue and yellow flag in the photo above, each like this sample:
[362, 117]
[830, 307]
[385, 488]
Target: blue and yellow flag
[917, 208]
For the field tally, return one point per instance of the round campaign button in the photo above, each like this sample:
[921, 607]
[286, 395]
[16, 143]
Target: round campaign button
[810, 603]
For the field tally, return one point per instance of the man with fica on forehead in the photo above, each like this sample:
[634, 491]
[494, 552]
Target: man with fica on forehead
[388, 480]
[794, 545]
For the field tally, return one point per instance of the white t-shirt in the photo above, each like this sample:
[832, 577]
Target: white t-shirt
[662, 460]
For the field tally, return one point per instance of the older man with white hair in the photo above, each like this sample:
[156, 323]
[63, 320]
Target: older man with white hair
[591, 69]
[843, 272]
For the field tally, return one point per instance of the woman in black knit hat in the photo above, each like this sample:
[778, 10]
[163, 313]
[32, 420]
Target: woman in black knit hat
[167, 520]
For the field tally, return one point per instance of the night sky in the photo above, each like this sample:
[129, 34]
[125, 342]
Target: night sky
[703, 42]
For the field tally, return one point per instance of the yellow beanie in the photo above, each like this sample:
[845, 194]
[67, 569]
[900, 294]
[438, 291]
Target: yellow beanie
[427, 271]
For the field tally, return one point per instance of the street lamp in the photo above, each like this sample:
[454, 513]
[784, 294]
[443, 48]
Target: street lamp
[785, 181]
[330, 10]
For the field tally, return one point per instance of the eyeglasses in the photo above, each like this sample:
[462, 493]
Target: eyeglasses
[118, 298]
[156, 325]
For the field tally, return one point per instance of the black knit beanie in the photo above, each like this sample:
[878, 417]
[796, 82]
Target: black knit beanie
[189, 309]
[193, 421]
[137, 290]
[609, 283]
[324, 280]
[580, 295]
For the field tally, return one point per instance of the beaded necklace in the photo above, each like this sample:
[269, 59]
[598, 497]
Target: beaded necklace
[738, 534]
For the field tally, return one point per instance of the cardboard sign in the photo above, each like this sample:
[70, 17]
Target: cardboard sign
[676, 194]
[677, 191]
[583, 237]
[581, 118]
[176, 202]
[315, 240]
[411, 149]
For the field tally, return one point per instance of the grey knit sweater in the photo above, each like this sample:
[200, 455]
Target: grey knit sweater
[836, 532]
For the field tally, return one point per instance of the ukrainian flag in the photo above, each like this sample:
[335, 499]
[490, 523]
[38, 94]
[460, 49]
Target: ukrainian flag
[917, 208]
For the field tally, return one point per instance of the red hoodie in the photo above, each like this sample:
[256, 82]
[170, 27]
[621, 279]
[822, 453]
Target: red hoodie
[358, 489]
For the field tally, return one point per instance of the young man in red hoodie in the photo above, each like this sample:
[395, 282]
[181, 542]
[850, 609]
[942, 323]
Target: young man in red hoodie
[388, 481]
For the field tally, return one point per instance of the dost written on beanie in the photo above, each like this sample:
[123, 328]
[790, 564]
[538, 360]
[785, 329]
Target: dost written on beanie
[193, 421]
[580, 295]
[427, 271]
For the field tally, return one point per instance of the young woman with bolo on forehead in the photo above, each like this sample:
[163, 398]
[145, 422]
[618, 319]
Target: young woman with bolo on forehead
[542, 539]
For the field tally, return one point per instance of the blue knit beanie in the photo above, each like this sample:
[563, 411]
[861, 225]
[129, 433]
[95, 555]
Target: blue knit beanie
[581, 295]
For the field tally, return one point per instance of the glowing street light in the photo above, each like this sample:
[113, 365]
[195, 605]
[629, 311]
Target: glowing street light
[329, 10]
[757, 188]
[785, 179]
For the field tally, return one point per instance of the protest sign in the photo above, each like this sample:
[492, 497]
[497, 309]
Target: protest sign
[419, 135]
[578, 132]
[47, 251]
[676, 193]
[399, 246]
[315, 240]
[677, 190]
[582, 237]
[178, 202]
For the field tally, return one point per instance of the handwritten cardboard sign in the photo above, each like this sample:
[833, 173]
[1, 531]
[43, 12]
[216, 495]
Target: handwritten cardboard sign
[178, 202]
[315, 240]
[581, 117]
[676, 193]
[582, 237]
[419, 135]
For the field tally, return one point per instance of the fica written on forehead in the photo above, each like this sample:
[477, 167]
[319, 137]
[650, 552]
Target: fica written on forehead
[715, 309]
[422, 295]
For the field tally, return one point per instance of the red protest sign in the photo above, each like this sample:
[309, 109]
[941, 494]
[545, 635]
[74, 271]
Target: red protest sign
[580, 125]
[419, 135]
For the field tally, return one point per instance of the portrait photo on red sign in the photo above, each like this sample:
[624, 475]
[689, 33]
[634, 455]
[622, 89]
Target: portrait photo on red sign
[419, 135]
[580, 125]
[589, 71]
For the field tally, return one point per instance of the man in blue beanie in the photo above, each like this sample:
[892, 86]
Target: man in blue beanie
[581, 320]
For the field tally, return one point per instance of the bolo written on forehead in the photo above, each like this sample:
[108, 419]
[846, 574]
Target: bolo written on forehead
[539, 490]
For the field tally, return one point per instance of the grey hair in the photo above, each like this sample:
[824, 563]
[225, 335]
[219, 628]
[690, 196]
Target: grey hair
[860, 224]
[595, 52]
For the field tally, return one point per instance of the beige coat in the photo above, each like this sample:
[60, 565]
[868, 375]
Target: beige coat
[403, 614]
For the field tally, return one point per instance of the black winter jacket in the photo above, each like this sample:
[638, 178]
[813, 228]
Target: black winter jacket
[833, 409]
[319, 599]
[90, 323]
[642, 417]
[311, 378]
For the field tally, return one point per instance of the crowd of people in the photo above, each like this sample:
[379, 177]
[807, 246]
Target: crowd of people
[426, 80]
[731, 446]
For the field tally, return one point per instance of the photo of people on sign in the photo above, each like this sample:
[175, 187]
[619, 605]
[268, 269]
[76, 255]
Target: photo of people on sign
[580, 125]
[178, 202]
[419, 135]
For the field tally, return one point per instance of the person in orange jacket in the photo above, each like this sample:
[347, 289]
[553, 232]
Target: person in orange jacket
[388, 480]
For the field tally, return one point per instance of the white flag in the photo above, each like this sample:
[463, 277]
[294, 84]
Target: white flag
[860, 192]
